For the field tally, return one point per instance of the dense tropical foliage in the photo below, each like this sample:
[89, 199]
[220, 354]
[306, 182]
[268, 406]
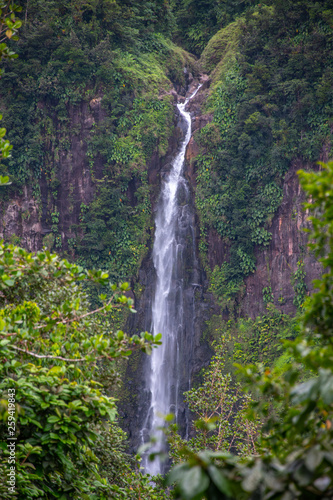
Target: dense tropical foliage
[271, 103]
[74, 58]
[95, 80]
[58, 357]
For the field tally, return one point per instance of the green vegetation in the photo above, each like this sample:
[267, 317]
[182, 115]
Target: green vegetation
[57, 362]
[9, 25]
[299, 284]
[260, 340]
[94, 78]
[112, 64]
[271, 103]
[198, 20]
[219, 408]
[113, 227]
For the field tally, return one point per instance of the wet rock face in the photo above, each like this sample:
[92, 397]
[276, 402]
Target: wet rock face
[25, 217]
[195, 354]
[275, 266]
[76, 184]
[199, 120]
[195, 304]
[277, 263]
[20, 221]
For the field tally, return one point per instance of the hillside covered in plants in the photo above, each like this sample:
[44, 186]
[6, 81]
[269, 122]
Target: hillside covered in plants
[88, 95]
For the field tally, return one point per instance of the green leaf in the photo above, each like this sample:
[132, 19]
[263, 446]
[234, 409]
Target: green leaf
[326, 386]
[9, 282]
[176, 473]
[148, 350]
[52, 419]
[55, 370]
[193, 483]
[313, 459]
[219, 480]
[38, 424]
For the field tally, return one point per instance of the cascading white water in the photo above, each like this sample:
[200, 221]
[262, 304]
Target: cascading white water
[167, 307]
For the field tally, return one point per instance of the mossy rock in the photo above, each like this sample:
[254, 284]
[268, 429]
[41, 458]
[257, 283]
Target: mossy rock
[221, 50]
[48, 241]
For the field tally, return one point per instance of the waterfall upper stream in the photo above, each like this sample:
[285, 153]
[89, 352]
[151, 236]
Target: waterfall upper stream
[173, 257]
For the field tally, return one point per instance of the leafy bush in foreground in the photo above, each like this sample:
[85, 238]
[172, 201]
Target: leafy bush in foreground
[55, 353]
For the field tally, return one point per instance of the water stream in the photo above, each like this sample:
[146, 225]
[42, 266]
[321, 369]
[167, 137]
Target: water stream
[174, 227]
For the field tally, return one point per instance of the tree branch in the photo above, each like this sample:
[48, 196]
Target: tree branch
[49, 356]
[76, 360]
[70, 320]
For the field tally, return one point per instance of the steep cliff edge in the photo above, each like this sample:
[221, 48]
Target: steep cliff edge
[193, 304]
[277, 263]
[262, 114]
[28, 217]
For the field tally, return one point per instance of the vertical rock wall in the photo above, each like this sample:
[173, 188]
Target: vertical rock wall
[25, 218]
[276, 263]
[279, 261]
[135, 400]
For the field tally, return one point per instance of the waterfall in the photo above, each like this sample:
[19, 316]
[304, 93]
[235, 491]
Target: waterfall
[173, 222]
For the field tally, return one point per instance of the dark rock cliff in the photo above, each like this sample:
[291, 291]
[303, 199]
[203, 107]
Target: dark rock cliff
[25, 220]
[27, 217]
[277, 263]
[195, 353]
